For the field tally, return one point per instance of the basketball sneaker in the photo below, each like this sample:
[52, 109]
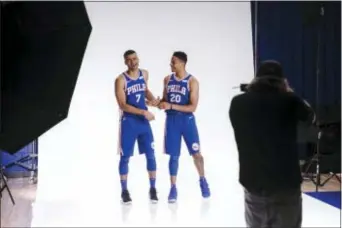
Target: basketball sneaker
[126, 198]
[173, 194]
[204, 188]
[153, 195]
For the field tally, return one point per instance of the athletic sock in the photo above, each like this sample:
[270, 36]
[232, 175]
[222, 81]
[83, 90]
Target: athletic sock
[124, 185]
[153, 182]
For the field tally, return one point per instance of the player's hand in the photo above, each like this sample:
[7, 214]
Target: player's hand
[155, 102]
[148, 103]
[149, 115]
[165, 105]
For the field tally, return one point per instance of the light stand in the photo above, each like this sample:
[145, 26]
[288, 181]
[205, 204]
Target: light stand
[317, 157]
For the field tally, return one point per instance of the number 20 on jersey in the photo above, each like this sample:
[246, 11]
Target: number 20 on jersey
[175, 98]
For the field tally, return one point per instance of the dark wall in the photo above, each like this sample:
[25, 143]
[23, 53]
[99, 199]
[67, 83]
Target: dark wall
[289, 32]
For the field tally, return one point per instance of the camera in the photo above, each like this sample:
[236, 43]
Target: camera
[243, 87]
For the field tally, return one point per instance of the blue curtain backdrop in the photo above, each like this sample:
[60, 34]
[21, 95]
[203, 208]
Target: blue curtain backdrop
[289, 32]
[304, 37]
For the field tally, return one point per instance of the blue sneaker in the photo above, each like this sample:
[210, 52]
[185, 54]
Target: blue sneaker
[173, 194]
[204, 188]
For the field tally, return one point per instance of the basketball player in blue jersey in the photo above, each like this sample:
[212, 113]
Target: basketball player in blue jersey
[132, 92]
[180, 99]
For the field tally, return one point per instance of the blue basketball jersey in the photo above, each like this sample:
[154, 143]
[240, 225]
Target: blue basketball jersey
[178, 92]
[135, 92]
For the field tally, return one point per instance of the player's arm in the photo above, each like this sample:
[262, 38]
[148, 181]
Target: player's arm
[149, 94]
[166, 80]
[163, 102]
[194, 95]
[151, 100]
[121, 98]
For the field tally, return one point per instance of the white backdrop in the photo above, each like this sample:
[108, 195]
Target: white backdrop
[78, 157]
[78, 181]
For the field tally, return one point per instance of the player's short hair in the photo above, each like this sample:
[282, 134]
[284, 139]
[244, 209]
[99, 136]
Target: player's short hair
[128, 52]
[181, 55]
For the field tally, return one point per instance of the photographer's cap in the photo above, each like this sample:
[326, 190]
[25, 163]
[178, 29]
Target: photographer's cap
[270, 68]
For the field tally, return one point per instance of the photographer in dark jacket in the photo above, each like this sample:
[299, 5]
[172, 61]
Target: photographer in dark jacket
[265, 121]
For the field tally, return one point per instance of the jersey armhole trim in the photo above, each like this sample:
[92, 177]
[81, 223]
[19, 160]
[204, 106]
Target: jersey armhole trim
[168, 80]
[124, 77]
[188, 84]
[143, 75]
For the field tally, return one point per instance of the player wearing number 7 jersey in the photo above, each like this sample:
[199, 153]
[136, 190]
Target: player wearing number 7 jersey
[131, 90]
[180, 98]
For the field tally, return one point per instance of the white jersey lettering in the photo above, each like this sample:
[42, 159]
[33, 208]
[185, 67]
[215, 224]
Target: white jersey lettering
[176, 89]
[136, 88]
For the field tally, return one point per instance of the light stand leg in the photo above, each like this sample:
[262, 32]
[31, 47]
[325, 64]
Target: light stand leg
[332, 175]
[4, 182]
[34, 159]
[318, 171]
[315, 158]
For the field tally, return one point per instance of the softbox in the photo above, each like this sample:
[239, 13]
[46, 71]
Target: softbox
[42, 48]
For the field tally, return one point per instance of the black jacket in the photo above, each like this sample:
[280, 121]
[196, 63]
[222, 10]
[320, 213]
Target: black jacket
[265, 128]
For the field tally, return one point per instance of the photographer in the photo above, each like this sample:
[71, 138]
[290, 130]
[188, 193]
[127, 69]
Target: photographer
[264, 120]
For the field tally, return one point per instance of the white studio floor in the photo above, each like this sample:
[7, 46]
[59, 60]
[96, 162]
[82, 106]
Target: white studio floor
[98, 205]
[78, 181]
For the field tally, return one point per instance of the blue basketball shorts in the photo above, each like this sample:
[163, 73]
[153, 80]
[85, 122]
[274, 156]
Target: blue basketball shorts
[134, 129]
[176, 126]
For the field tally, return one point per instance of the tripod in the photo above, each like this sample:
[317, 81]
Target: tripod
[317, 159]
[4, 185]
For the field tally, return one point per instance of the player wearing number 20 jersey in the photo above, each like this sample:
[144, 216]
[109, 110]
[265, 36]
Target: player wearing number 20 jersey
[180, 100]
[179, 123]
[178, 92]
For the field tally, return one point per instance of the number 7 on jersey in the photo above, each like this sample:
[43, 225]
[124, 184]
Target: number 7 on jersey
[138, 96]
